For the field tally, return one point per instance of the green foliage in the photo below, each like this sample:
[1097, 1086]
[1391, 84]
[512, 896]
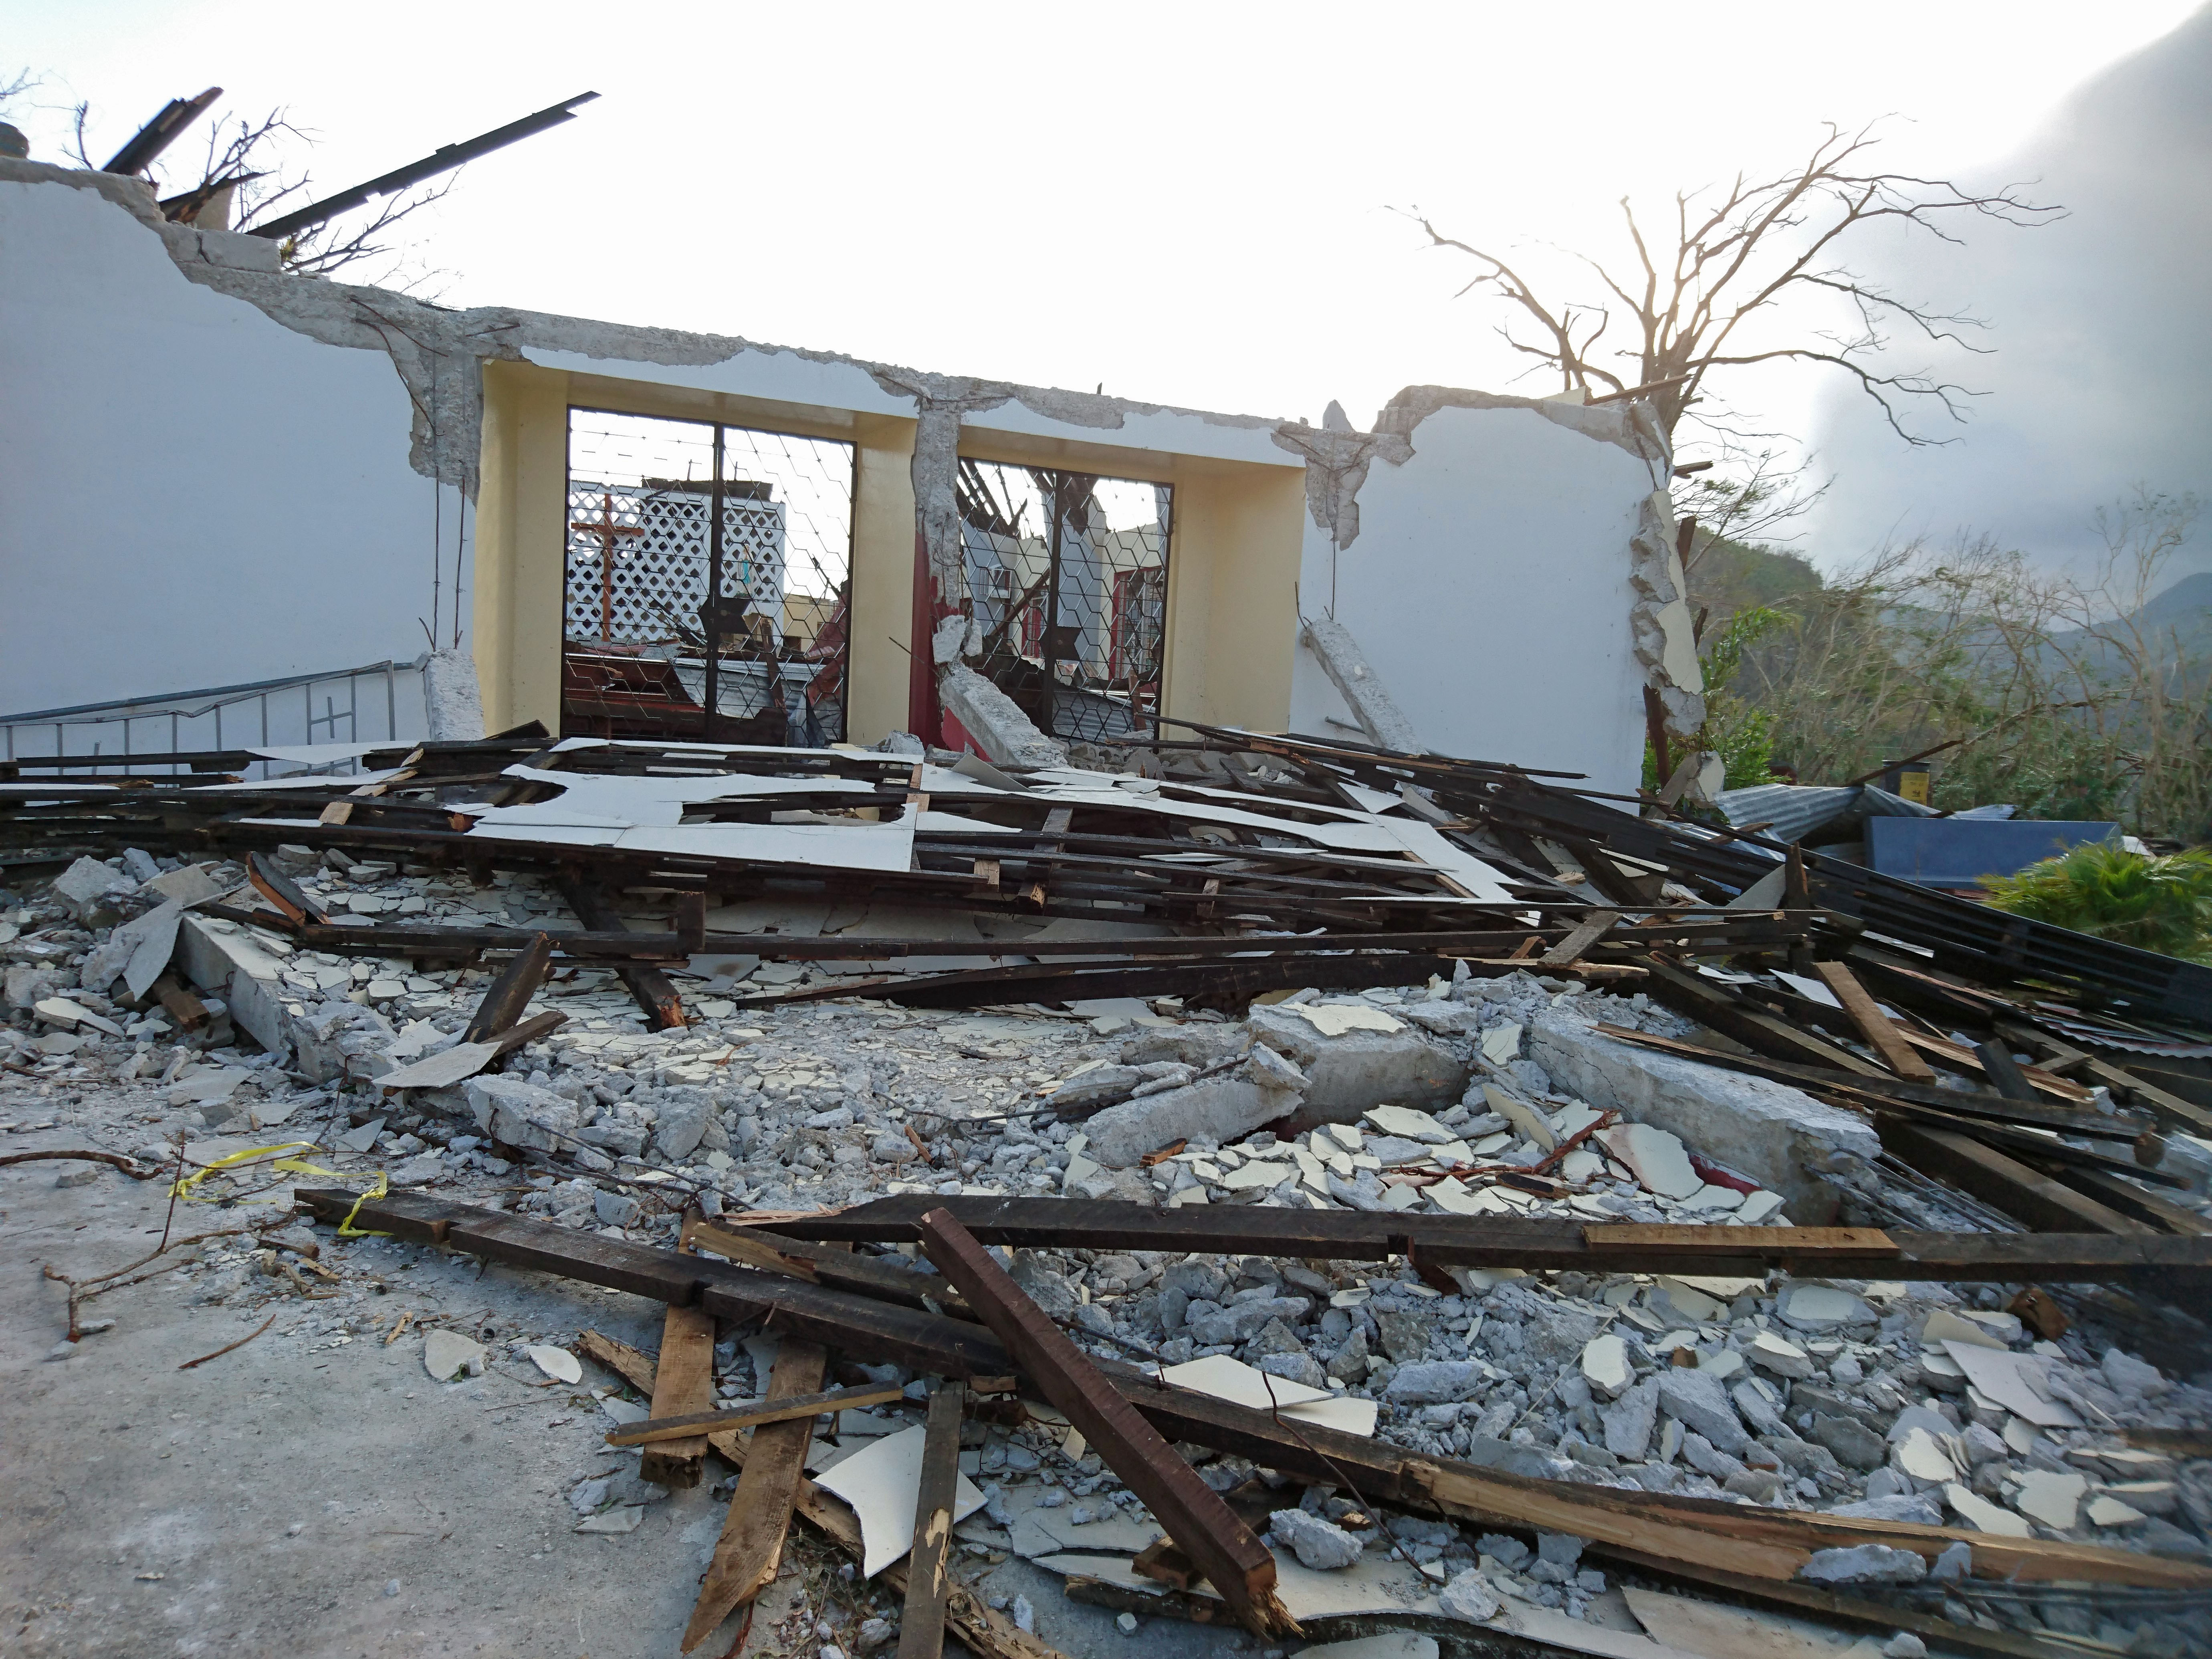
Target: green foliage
[2162, 904]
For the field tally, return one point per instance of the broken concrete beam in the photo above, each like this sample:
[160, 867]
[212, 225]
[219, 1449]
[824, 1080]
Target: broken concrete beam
[221, 957]
[1781, 1138]
[1352, 1069]
[992, 719]
[1216, 1108]
[453, 697]
[1358, 685]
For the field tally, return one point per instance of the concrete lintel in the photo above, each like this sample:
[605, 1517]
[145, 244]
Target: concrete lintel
[1360, 686]
[991, 717]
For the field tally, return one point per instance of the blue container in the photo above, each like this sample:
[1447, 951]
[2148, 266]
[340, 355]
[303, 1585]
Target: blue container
[1959, 852]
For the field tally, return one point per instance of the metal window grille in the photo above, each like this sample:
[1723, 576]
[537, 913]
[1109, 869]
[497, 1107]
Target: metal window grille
[1066, 573]
[641, 603]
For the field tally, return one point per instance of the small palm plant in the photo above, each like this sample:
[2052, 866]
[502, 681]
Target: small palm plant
[2154, 904]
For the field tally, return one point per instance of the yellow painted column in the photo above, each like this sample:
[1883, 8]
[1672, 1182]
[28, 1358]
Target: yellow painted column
[1232, 600]
[521, 544]
[883, 580]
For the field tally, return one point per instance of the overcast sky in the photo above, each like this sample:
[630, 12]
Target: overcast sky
[1186, 204]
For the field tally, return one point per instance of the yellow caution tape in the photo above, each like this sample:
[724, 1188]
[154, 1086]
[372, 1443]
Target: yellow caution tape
[184, 1188]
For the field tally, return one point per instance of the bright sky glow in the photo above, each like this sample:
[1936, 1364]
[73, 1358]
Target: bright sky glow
[1186, 204]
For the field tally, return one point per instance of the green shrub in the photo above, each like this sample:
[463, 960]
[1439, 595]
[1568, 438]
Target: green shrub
[2162, 904]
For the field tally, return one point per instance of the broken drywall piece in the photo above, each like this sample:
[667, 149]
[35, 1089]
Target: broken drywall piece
[1335, 1018]
[1655, 1156]
[1221, 1377]
[2012, 1380]
[455, 1065]
[557, 1363]
[1720, 1632]
[882, 1484]
[447, 1354]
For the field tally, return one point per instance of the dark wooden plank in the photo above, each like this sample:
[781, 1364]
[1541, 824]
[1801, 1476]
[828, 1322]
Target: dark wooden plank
[1237, 1564]
[1871, 1242]
[655, 994]
[820, 1265]
[2075, 1254]
[1876, 1027]
[1569, 949]
[281, 891]
[1701, 999]
[522, 1035]
[1383, 1472]
[2003, 1070]
[2025, 1194]
[508, 996]
[751, 1545]
[683, 1384]
[653, 1431]
[928, 1575]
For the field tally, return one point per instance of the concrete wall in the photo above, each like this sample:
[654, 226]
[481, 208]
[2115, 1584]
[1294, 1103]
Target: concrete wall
[217, 472]
[192, 494]
[1482, 562]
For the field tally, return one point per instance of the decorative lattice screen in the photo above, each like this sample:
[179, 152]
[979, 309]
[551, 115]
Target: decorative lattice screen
[637, 556]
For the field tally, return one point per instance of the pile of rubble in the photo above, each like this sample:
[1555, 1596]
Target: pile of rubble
[1405, 1254]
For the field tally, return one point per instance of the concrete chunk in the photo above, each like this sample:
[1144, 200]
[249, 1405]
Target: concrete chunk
[1357, 1069]
[1864, 1564]
[1219, 1109]
[1783, 1139]
[1698, 1400]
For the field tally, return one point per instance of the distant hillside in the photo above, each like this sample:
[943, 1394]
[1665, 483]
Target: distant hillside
[2179, 619]
[1731, 576]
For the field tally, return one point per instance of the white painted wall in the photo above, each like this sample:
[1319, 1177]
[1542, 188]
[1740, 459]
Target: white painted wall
[191, 494]
[1489, 587]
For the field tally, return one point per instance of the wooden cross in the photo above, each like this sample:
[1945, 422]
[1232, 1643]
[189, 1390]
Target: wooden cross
[607, 530]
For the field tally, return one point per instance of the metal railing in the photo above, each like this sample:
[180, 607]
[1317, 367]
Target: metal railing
[380, 702]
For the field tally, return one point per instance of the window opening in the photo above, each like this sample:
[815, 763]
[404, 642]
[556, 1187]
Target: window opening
[1066, 582]
[681, 533]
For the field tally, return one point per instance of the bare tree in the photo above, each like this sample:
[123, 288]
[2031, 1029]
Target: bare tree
[254, 164]
[1741, 258]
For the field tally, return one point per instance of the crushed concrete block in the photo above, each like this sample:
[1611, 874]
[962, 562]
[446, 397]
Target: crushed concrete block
[1435, 1381]
[1469, 1596]
[343, 1039]
[522, 1115]
[1100, 1087]
[1781, 1138]
[1864, 1564]
[85, 884]
[1698, 1400]
[1217, 1109]
[1359, 1069]
[1628, 1422]
[224, 958]
[1000, 729]
[452, 698]
[1318, 1544]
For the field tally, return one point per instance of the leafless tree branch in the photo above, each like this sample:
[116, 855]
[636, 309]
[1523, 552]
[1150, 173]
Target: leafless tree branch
[1743, 254]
